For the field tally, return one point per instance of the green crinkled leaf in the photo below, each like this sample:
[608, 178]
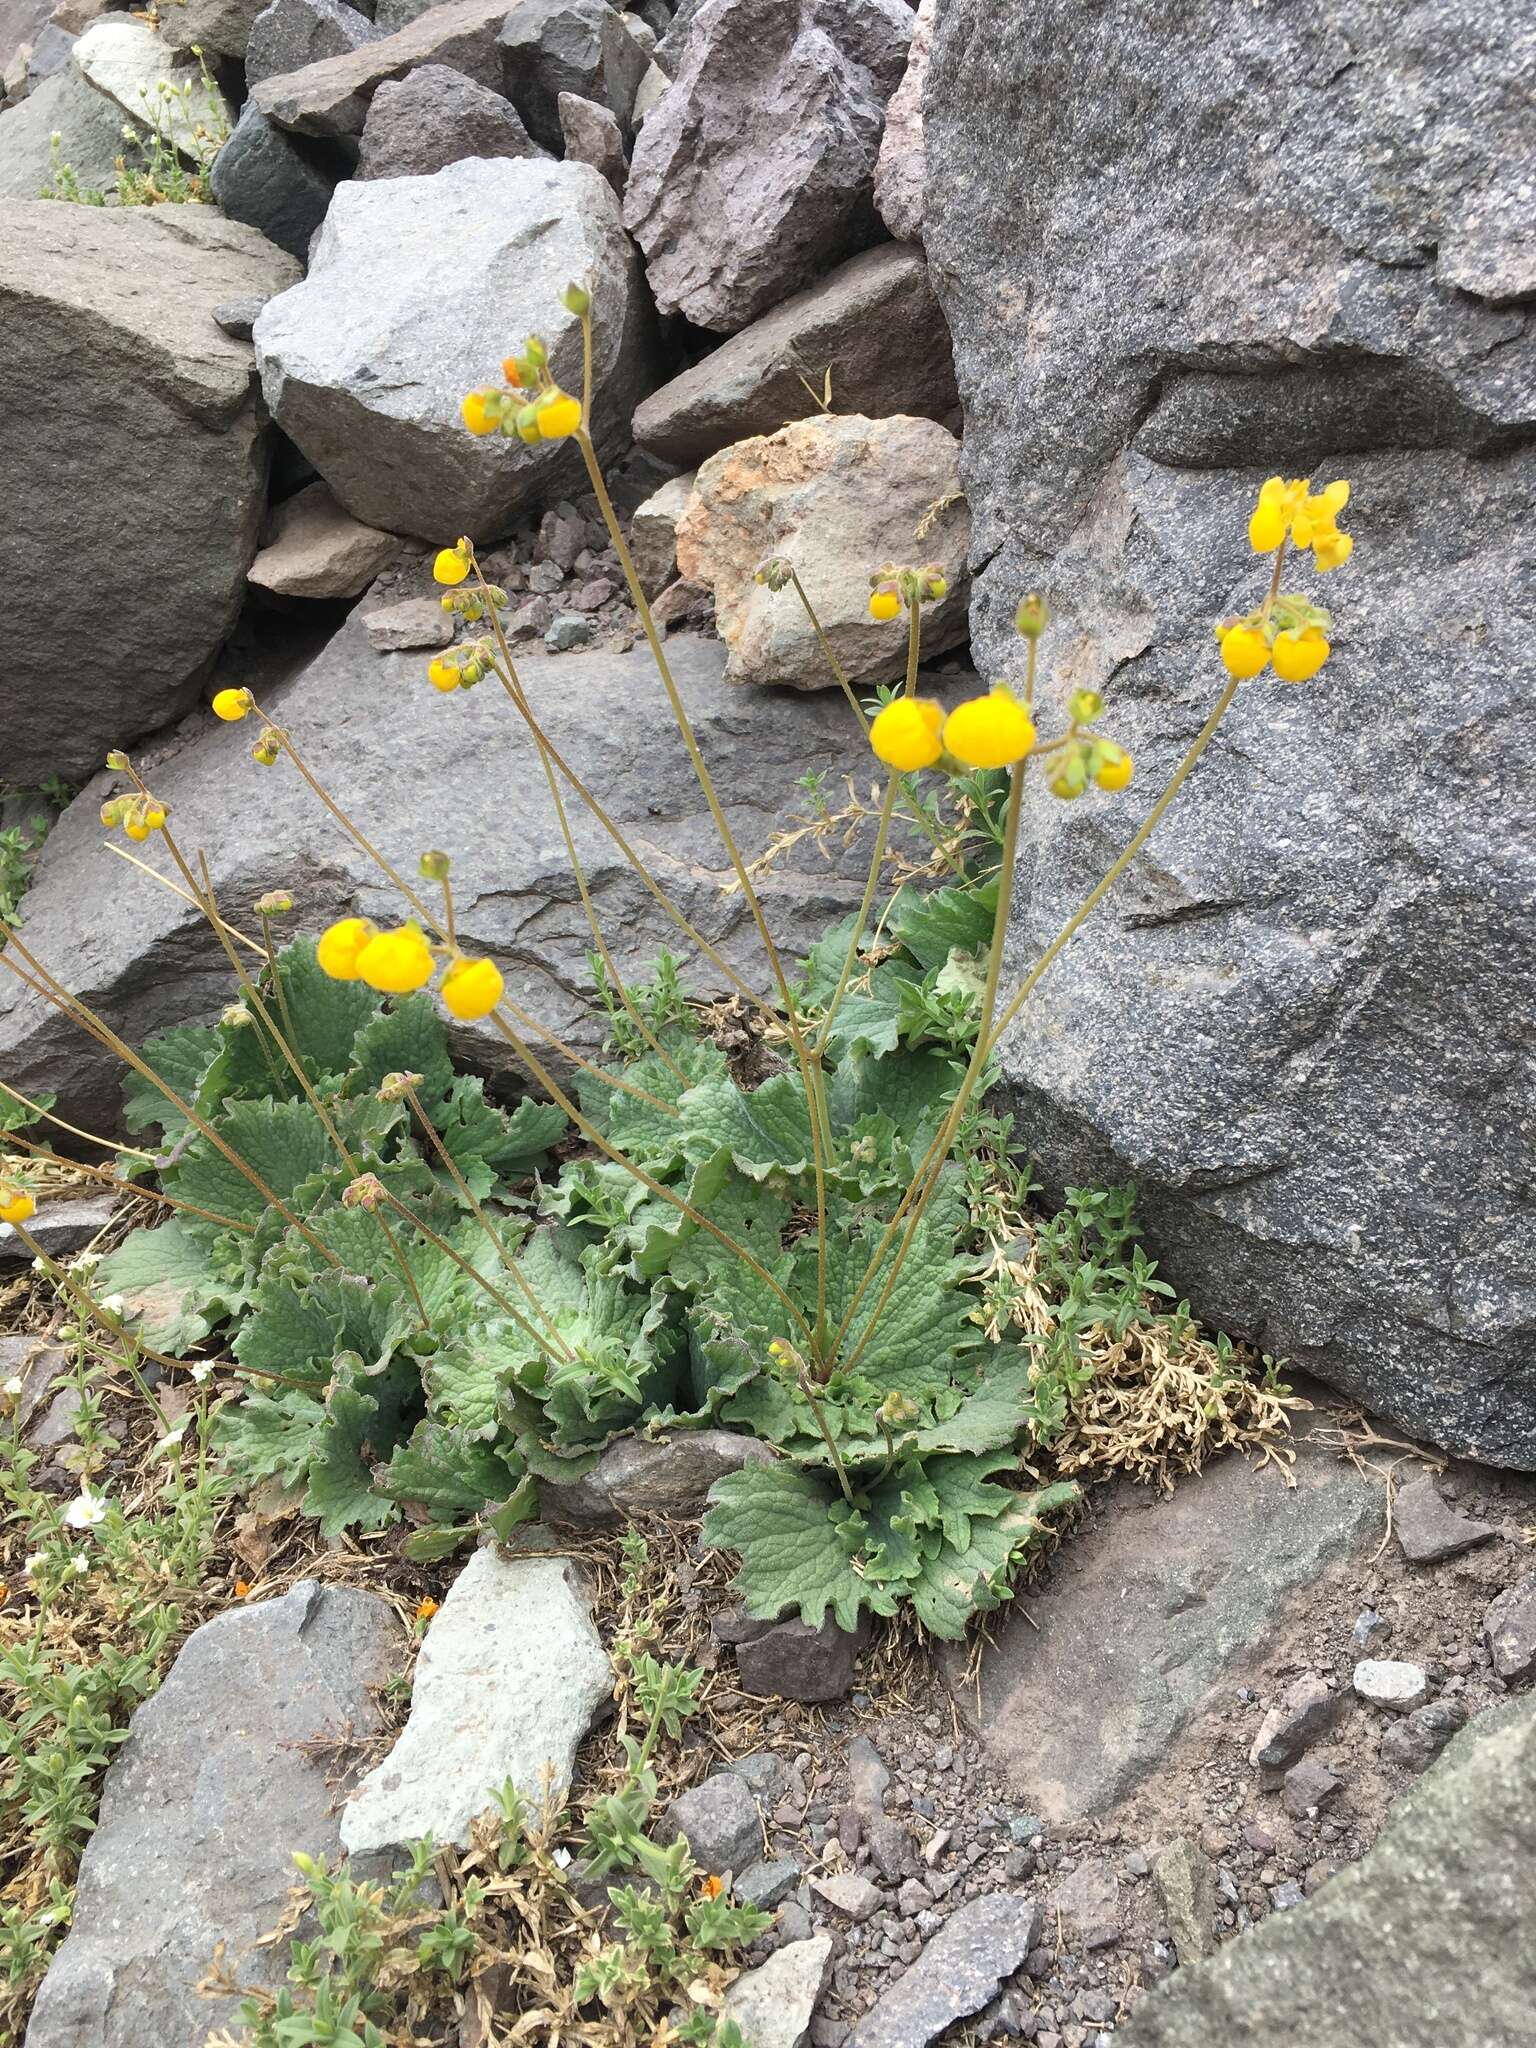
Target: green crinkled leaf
[766, 1131]
[934, 923]
[319, 1020]
[409, 1037]
[167, 1278]
[298, 1330]
[531, 1130]
[728, 1294]
[359, 1429]
[283, 1143]
[795, 1551]
[181, 1058]
[464, 1380]
[445, 1472]
[648, 1135]
[958, 1580]
[913, 1089]
[923, 1324]
[272, 1436]
[868, 1014]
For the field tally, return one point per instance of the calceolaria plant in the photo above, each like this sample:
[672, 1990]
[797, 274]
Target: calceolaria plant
[435, 1319]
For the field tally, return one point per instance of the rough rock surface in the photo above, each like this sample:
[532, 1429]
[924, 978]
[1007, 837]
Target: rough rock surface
[1292, 1026]
[219, 28]
[1141, 1614]
[202, 1811]
[569, 46]
[331, 97]
[838, 495]
[365, 364]
[902, 163]
[89, 128]
[59, 1229]
[637, 1477]
[434, 117]
[278, 183]
[1429, 1529]
[790, 1660]
[356, 716]
[754, 172]
[982, 1943]
[510, 1677]
[1186, 1881]
[590, 134]
[873, 323]
[289, 34]
[418, 622]
[128, 61]
[1509, 1629]
[314, 549]
[653, 533]
[773, 2005]
[110, 311]
[719, 1821]
[1418, 1945]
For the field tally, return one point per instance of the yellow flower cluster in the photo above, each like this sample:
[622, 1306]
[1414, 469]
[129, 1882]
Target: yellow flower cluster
[1297, 652]
[232, 706]
[16, 1206]
[1288, 510]
[138, 815]
[535, 408]
[397, 963]
[984, 732]
[891, 588]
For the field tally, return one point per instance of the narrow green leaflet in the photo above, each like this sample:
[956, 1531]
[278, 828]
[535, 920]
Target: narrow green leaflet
[168, 1283]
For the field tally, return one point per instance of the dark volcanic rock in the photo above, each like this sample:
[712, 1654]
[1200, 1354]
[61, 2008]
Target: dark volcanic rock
[435, 117]
[273, 181]
[569, 46]
[289, 34]
[1292, 1026]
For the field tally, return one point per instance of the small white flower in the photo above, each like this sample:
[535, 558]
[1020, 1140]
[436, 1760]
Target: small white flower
[82, 1565]
[40, 1265]
[114, 1305]
[86, 1511]
[33, 1562]
[171, 1441]
[13, 1386]
[202, 1371]
[85, 1262]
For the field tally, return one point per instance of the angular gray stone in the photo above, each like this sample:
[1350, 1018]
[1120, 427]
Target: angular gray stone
[1418, 1945]
[311, 548]
[110, 310]
[1140, 1615]
[1390, 1684]
[435, 117]
[416, 288]
[838, 495]
[850, 1894]
[653, 533]
[510, 1678]
[288, 34]
[36, 1365]
[1429, 1529]
[1088, 1897]
[236, 317]
[1186, 1883]
[131, 63]
[60, 1229]
[773, 2005]
[873, 323]
[790, 1660]
[355, 715]
[331, 97]
[1509, 1630]
[1309, 1786]
[418, 622]
[1306, 1710]
[636, 1477]
[220, 28]
[901, 166]
[753, 174]
[1254, 1028]
[569, 46]
[591, 134]
[719, 1821]
[202, 1811]
[1419, 1737]
[765, 1885]
[90, 132]
[981, 1943]
[273, 181]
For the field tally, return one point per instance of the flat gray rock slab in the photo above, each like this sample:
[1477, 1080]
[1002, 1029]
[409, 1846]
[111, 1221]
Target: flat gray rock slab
[1425, 1943]
[1142, 1613]
[956, 1974]
[201, 1814]
[773, 2004]
[509, 1679]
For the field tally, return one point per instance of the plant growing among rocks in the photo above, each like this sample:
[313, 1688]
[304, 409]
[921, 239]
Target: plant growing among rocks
[812, 1257]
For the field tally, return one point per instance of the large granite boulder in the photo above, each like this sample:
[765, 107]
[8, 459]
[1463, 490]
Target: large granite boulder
[417, 287]
[1423, 1943]
[873, 325]
[150, 83]
[420, 770]
[129, 431]
[754, 173]
[289, 34]
[277, 183]
[202, 1811]
[1292, 1026]
[435, 117]
[330, 96]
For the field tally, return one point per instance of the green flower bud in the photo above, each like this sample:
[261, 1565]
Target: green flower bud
[433, 867]
[1031, 616]
[1084, 706]
[576, 299]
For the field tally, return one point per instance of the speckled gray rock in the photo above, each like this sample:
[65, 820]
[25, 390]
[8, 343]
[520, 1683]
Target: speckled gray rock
[653, 532]
[850, 1893]
[837, 495]
[219, 28]
[89, 128]
[754, 173]
[1428, 1529]
[774, 2004]
[131, 62]
[576, 46]
[417, 622]
[311, 548]
[1140, 1615]
[289, 34]
[330, 97]
[111, 312]
[356, 715]
[873, 323]
[1420, 1944]
[510, 1677]
[202, 1811]
[278, 183]
[719, 1821]
[636, 1477]
[902, 162]
[982, 1943]
[1330, 1154]
[411, 281]
[1416, 1740]
[435, 117]
[591, 134]
[1186, 1884]
[1509, 1630]
[1391, 1684]
[60, 1229]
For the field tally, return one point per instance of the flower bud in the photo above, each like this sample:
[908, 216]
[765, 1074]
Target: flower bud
[776, 571]
[112, 810]
[117, 760]
[433, 867]
[896, 1411]
[576, 299]
[395, 1087]
[276, 903]
[535, 353]
[236, 1016]
[366, 1192]
[1031, 616]
[1084, 706]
